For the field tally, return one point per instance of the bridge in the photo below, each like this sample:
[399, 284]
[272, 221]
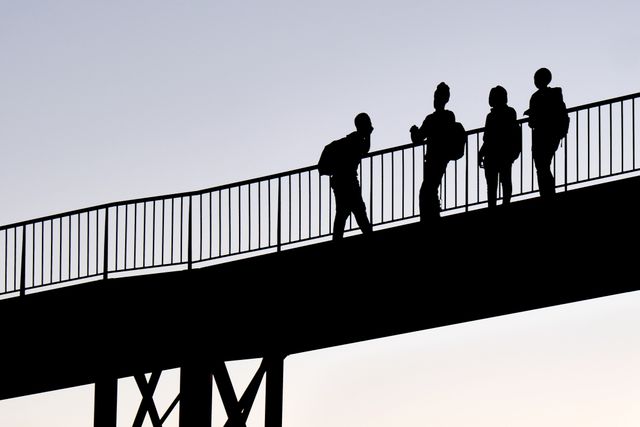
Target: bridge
[248, 270]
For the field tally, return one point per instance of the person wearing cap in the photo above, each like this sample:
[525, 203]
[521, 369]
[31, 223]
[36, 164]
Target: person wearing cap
[434, 130]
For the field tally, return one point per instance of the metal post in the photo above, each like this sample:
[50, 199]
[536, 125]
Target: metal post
[279, 237]
[195, 396]
[190, 238]
[105, 403]
[466, 178]
[106, 244]
[566, 153]
[371, 187]
[22, 263]
[274, 391]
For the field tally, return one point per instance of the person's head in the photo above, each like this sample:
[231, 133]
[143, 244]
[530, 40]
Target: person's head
[441, 96]
[497, 96]
[542, 78]
[363, 124]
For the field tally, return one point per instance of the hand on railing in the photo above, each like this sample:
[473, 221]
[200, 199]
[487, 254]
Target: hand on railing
[415, 135]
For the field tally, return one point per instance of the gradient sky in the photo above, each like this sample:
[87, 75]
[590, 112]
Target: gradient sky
[110, 100]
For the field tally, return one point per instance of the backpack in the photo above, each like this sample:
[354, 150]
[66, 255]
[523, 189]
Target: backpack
[551, 109]
[564, 124]
[562, 119]
[328, 159]
[457, 141]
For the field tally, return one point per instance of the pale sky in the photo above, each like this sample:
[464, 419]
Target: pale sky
[103, 101]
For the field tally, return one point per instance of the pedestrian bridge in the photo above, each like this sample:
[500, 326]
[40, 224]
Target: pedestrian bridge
[247, 270]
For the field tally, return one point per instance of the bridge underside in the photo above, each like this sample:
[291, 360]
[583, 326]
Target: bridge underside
[471, 266]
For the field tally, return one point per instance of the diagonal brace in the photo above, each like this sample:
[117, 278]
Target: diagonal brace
[237, 411]
[249, 396]
[147, 405]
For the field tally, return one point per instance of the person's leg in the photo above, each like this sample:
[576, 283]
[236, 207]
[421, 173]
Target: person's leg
[342, 210]
[421, 203]
[359, 209]
[422, 195]
[439, 171]
[542, 158]
[429, 200]
[339, 222]
[505, 180]
[491, 176]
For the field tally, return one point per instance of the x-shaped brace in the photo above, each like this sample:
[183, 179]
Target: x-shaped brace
[148, 405]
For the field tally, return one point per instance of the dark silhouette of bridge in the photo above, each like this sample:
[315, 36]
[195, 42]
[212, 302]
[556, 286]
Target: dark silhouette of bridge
[247, 270]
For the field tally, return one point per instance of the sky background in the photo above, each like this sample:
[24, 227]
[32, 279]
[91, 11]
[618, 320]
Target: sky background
[103, 101]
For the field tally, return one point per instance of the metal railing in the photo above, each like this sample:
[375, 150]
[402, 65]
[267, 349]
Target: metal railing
[198, 228]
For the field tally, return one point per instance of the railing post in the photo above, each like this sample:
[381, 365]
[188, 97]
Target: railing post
[566, 154]
[371, 188]
[466, 178]
[190, 240]
[105, 268]
[279, 242]
[23, 259]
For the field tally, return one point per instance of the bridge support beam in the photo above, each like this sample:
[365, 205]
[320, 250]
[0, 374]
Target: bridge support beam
[274, 391]
[105, 403]
[195, 396]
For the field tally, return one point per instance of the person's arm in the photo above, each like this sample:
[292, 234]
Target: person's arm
[531, 112]
[512, 114]
[419, 134]
[486, 137]
[365, 145]
[512, 120]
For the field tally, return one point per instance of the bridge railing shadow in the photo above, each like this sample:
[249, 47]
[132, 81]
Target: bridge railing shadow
[193, 229]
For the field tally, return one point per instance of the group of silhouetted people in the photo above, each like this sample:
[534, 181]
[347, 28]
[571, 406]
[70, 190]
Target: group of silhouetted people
[502, 144]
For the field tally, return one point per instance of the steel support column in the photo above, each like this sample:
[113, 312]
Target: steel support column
[105, 403]
[274, 391]
[195, 396]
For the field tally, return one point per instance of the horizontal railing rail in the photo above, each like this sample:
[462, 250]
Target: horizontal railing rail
[292, 208]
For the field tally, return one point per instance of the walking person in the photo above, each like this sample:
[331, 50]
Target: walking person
[340, 160]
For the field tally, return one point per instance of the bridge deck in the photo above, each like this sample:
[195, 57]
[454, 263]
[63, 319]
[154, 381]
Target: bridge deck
[477, 265]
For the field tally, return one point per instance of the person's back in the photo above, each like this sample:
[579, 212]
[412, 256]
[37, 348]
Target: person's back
[436, 128]
[547, 111]
[350, 150]
[498, 138]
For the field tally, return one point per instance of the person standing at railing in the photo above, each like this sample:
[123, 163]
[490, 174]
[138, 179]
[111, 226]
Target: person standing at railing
[502, 145]
[435, 130]
[549, 120]
[346, 155]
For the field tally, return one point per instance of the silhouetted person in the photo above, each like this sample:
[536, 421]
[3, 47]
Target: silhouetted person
[501, 146]
[435, 129]
[549, 121]
[344, 180]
